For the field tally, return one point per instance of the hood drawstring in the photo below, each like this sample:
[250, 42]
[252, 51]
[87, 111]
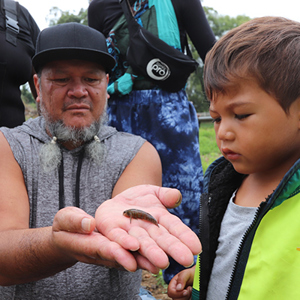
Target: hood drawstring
[77, 187]
[61, 181]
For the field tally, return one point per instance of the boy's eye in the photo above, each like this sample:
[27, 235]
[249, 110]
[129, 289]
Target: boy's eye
[216, 120]
[241, 117]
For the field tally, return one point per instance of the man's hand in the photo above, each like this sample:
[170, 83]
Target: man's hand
[112, 240]
[75, 236]
[149, 244]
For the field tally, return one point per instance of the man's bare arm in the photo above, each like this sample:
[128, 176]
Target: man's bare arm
[32, 254]
[145, 168]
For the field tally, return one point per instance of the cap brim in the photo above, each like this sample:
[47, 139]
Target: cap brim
[102, 58]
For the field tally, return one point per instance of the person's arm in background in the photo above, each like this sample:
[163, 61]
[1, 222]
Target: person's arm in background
[103, 14]
[34, 30]
[192, 19]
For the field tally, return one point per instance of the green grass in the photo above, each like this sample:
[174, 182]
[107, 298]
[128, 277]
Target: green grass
[209, 150]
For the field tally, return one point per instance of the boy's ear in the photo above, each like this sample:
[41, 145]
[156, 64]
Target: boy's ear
[298, 107]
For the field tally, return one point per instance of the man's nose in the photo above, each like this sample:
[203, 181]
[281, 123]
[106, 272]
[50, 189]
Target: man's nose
[77, 89]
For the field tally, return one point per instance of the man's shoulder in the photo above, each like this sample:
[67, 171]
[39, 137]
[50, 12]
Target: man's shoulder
[32, 128]
[108, 132]
[121, 143]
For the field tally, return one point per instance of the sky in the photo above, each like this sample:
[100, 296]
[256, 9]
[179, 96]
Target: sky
[39, 9]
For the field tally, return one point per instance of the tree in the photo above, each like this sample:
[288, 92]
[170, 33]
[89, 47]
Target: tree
[26, 95]
[220, 25]
[57, 16]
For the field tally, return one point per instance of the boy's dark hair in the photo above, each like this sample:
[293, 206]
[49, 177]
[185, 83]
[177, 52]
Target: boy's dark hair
[264, 49]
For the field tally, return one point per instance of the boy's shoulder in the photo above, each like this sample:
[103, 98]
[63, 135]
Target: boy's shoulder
[220, 177]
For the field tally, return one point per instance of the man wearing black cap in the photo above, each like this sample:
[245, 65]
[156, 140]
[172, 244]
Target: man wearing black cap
[58, 235]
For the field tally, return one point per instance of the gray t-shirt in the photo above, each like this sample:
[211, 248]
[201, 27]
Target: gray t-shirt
[236, 221]
[82, 281]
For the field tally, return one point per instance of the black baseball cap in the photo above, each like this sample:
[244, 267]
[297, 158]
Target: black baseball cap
[71, 41]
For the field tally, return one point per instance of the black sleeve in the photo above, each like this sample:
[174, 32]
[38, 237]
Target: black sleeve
[34, 30]
[29, 29]
[103, 14]
[192, 20]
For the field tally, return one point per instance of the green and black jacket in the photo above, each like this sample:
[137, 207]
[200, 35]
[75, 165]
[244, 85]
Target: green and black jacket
[267, 265]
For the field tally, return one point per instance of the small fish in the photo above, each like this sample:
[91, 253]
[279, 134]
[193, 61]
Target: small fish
[139, 214]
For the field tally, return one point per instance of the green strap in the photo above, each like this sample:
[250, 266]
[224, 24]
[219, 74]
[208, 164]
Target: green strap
[167, 31]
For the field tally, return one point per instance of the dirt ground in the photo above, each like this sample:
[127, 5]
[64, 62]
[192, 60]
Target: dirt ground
[155, 285]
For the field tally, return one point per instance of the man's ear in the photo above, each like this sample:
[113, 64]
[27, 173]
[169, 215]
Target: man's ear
[37, 87]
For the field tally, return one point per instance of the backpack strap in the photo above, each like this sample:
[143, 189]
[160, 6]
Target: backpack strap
[167, 24]
[11, 16]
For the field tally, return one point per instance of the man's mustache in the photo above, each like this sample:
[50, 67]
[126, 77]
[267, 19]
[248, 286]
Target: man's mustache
[79, 102]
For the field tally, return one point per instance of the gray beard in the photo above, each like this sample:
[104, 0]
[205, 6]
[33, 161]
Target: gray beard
[51, 155]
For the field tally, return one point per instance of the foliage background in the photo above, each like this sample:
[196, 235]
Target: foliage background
[209, 150]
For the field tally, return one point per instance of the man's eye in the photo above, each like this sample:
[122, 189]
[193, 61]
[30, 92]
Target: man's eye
[60, 80]
[92, 80]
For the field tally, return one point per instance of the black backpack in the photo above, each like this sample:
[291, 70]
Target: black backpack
[151, 57]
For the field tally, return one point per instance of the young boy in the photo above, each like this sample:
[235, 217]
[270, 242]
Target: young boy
[250, 211]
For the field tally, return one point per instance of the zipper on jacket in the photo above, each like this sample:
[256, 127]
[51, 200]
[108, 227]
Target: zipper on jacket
[204, 238]
[233, 290]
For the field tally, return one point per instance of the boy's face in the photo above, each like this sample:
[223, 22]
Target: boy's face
[253, 132]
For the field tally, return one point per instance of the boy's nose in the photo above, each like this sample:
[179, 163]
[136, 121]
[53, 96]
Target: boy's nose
[225, 132]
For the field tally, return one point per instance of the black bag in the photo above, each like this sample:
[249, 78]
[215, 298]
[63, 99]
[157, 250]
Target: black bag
[154, 59]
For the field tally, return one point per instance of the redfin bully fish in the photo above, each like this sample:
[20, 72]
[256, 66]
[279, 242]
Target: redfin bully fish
[139, 214]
